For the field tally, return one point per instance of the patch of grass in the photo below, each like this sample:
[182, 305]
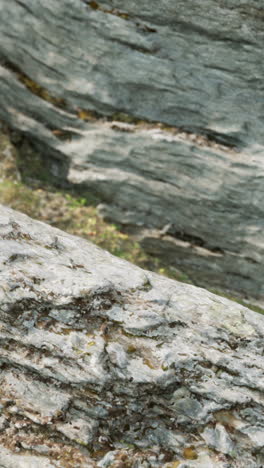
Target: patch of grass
[74, 215]
[75, 202]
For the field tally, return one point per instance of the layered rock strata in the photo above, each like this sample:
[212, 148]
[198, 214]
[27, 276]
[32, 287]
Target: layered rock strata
[157, 109]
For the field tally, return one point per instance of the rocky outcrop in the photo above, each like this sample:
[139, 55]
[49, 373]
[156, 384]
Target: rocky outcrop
[155, 108]
[104, 364]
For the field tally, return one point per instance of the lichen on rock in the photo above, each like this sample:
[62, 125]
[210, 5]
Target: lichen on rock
[103, 363]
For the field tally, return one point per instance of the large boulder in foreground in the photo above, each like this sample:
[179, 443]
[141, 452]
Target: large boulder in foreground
[157, 109]
[107, 365]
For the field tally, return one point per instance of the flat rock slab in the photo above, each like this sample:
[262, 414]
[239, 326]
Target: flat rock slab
[157, 109]
[103, 363]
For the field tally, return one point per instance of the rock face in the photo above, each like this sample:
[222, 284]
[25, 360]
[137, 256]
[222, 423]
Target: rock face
[157, 108]
[104, 364]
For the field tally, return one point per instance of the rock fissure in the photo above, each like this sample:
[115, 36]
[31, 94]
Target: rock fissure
[119, 121]
[32, 86]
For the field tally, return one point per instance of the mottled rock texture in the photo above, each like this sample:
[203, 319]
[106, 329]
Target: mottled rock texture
[104, 364]
[157, 109]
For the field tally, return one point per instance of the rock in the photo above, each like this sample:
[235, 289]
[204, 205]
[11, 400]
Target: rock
[9, 460]
[105, 364]
[219, 439]
[157, 111]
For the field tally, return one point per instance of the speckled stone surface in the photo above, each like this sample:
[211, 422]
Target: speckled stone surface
[104, 364]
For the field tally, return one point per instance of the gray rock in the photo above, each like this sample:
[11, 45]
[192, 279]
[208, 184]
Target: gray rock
[3, 422]
[158, 111]
[218, 439]
[10, 460]
[119, 363]
[108, 459]
[78, 430]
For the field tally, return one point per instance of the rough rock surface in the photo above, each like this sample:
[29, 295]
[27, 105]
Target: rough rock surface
[104, 364]
[157, 108]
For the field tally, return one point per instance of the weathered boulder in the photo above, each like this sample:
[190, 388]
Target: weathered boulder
[104, 364]
[157, 108]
